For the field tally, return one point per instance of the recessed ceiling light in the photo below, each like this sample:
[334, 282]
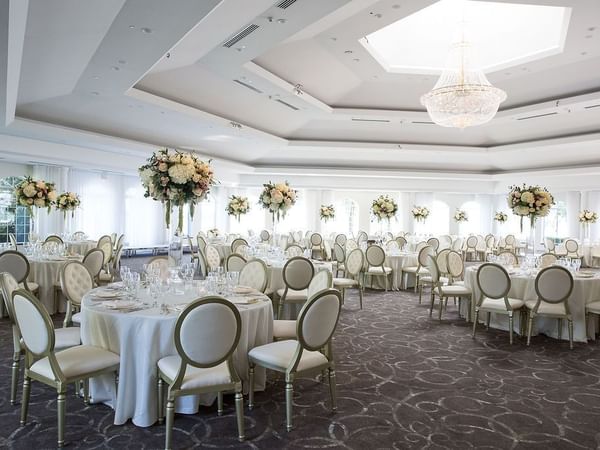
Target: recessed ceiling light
[95, 93]
[356, 59]
[131, 27]
[122, 61]
[162, 112]
[348, 52]
[282, 21]
[241, 49]
[95, 77]
[146, 30]
[395, 6]
[115, 68]
[333, 38]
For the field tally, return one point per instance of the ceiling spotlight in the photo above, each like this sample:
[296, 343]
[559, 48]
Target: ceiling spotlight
[356, 60]
[281, 21]
[241, 49]
[235, 125]
[348, 52]
[95, 93]
[131, 27]
[122, 61]
[115, 68]
[298, 89]
[146, 30]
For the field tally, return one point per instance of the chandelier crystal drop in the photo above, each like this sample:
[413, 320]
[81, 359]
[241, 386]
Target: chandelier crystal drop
[463, 96]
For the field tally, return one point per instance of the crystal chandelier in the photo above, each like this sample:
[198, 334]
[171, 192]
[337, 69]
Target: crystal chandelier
[463, 96]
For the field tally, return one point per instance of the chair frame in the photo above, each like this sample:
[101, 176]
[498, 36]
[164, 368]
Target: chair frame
[233, 255]
[265, 269]
[382, 265]
[357, 276]
[283, 300]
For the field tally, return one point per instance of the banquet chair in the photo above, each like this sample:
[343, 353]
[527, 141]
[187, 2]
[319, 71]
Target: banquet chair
[104, 244]
[64, 337]
[327, 249]
[490, 245]
[53, 238]
[362, 237]
[243, 250]
[56, 369]
[550, 245]
[254, 274]
[115, 263]
[341, 239]
[294, 250]
[391, 246]
[354, 270]
[351, 244]
[441, 260]
[340, 258]
[162, 263]
[420, 245]
[120, 242]
[547, 260]
[316, 245]
[470, 249]
[388, 236]
[17, 264]
[207, 333]
[113, 239]
[286, 329]
[553, 286]
[236, 243]
[445, 241]
[376, 264]
[297, 275]
[434, 243]
[420, 269]
[481, 248]
[93, 261]
[213, 258]
[456, 267]
[494, 283]
[79, 235]
[457, 245]
[401, 240]
[201, 241]
[75, 282]
[202, 234]
[443, 290]
[234, 262]
[510, 257]
[103, 239]
[310, 354]
[195, 255]
[571, 248]
[265, 236]
[510, 243]
[13, 241]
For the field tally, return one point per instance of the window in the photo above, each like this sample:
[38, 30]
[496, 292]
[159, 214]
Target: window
[346, 218]
[13, 218]
[473, 225]
[556, 223]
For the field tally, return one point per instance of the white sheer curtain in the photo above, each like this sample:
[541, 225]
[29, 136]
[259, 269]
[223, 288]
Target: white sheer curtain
[52, 223]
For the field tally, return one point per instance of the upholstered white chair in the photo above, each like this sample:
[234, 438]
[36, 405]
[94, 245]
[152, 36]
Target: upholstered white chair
[443, 290]
[550, 245]
[17, 265]
[201, 241]
[553, 286]
[236, 243]
[401, 240]
[162, 263]
[339, 255]
[341, 239]
[420, 245]
[470, 252]
[234, 263]
[391, 246]
[362, 237]
[13, 241]
[207, 333]
[105, 244]
[441, 260]
[510, 243]
[420, 269]
[254, 274]
[57, 369]
[286, 329]
[456, 267]
[64, 337]
[54, 238]
[457, 245]
[310, 354]
[354, 269]
[93, 261]
[265, 236]
[434, 243]
[351, 244]
[494, 283]
[195, 253]
[509, 257]
[297, 275]
[376, 264]
[547, 260]
[316, 245]
[213, 258]
[571, 249]
[75, 282]
[294, 250]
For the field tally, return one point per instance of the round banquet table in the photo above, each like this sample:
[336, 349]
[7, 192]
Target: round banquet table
[585, 290]
[80, 247]
[397, 261]
[143, 337]
[46, 272]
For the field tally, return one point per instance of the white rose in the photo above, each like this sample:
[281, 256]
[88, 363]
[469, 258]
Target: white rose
[276, 196]
[29, 190]
[282, 187]
[52, 196]
[39, 202]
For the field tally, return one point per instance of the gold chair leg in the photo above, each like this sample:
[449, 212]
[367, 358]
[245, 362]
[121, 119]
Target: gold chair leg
[559, 329]
[15, 377]
[441, 308]
[510, 330]
[251, 386]
[219, 403]
[570, 324]
[161, 400]
[25, 400]
[432, 305]
[86, 391]
[289, 396]
[169, 425]
[475, 322]
[529, 328]
[360, 296]
[332, 391]
[61, 410]
[487, 323]
[239, 412]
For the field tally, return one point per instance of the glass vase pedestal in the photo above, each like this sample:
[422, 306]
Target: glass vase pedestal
[176, 249]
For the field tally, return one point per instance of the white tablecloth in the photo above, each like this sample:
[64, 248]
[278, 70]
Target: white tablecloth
[46, 273]
[397, 262]
[585, 290]
[80, 247]
[142, 338]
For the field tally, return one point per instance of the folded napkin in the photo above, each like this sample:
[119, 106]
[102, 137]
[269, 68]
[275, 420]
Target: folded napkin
[107, 294]
[242, 290]
[121, 304]
[244, 300]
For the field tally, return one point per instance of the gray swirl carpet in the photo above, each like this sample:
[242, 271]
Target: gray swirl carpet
[404, 381]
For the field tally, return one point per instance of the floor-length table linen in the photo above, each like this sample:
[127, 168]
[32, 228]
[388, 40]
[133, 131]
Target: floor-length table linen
[46, 272]
[143, 337]
[585, 290]
[80, 247]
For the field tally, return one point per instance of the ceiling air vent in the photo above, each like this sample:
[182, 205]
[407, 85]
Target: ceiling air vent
[285, 4]
[591, 106]
[249, 86]
[370, 120]
[422, 122]
[241, 35]
[537, 115]
[287, 104]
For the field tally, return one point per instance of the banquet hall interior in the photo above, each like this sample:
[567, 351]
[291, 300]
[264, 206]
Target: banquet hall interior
[299, 224]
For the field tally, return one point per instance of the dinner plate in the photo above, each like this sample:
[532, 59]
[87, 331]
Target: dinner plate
[121, 304]
[107, 294]
[242, 290]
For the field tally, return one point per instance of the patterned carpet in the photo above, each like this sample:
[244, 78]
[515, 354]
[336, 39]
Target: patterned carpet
[404, 381]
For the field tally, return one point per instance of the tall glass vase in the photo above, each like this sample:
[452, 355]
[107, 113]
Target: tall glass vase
[176, 248]
[586, 232]
[531, 238]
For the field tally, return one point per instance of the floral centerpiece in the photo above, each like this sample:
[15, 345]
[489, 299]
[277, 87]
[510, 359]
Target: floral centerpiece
[214, 233]
[586, 216]
[384, 207]
[460, 215]
[237, 206]
[68, 201]
[530, 201]
[176, 178]
[500, 216]
[278, 198]
[327, 212]
[38, 193]
[420, 213]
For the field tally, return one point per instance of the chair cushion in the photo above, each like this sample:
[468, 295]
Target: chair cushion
[593, 307]
[77, 362]
[379, 270]
[195, 377]
[293, 295]
[67, 337]
[76, 318]
[499, 305]
[427, 279]
[457, 290]
[284, 329]
[548, 309]
[344, 282]
[278, 355]
[413, 269]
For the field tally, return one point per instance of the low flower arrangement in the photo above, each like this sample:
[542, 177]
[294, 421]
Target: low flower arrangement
[237, 206]
[176, 178]
[587, 216]
[35, 193]
[460, 215]
[68, 201]
[500, 216]
[327, 212]
[384, 208]
[420, 213]
[277, 198]
[530, 201]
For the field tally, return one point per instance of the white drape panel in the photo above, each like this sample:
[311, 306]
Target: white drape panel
[53, 223]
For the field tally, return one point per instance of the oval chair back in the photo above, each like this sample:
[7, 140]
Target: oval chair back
[401, 240]
[351, 244]
[75, 281]
[457, 245]
[16, 264]
[441, 260]
[234, 263]
[93, 261]
[550, 245]
[510, 242]
[572, 248]
[294, 250]
[341, 239]
[213, 258]
[355, 262]
[54, 238]
[510, 258]
[236, 243]
[553, 285]
[34, 324]
[493, 281]
[547, 260]
[391, 246]
[254, 275]
[471, 244]
[321, 281]
[420, 246]
[316, 240]
[424, 253]
[433, 243]
[375, 256]
[201, 243]
[318, 320]
[265, 236]
[455, 265]
[107, 250]
[298, 273]
[8, 285]
[162, 263]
